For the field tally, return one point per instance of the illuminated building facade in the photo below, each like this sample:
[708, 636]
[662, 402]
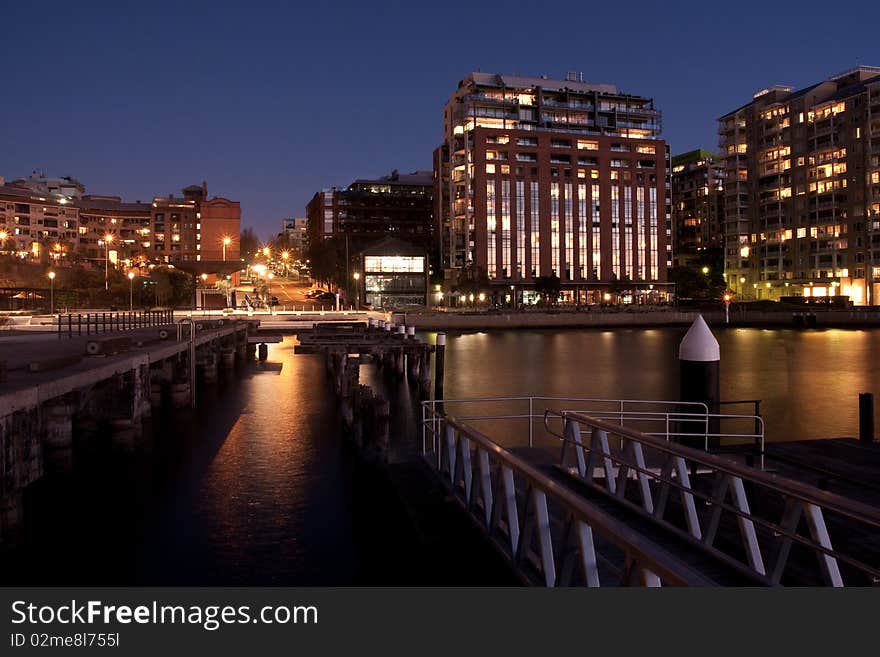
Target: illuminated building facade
[802, 190]
[127, 223]
[35, 221]
[697, 205]
[395, 274]
[295, 231]
[399, 206]
[537, 177]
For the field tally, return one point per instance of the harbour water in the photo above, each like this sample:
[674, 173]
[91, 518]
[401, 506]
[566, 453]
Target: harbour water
[258, 487]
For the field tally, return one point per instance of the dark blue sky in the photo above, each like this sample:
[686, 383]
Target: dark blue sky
[271, 102]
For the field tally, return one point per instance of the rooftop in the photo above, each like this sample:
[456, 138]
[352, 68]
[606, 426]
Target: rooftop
[525, 82]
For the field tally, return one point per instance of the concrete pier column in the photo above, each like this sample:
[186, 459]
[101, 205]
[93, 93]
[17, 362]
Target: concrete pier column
[411, 332]
[700, 363]
[263, 351]
[180, 394]
[57, 425]
[206, 362]
[251, 351]
[227, 357]
[388, 326]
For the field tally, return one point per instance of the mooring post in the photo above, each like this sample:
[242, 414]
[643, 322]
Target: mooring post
[439, 365]
[700, 360]
[866, 417]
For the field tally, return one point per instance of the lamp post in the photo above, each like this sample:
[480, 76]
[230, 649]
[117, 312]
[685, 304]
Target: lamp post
[51, 292]
[226, 242]
[130, 290]
[285, 256]
[3, 236]
[357, 290]
[107, 239]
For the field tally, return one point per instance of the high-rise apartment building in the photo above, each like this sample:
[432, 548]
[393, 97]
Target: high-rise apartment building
[538, 177]
[802, 190]
[697, 206]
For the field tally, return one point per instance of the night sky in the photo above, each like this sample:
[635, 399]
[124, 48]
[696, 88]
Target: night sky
[271, 102]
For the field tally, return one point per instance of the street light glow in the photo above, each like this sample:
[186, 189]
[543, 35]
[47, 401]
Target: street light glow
[705, 270]
[356, 275]
[227, 241]
[52, 275]
[108, 237]
[131, 275]
[285, 255]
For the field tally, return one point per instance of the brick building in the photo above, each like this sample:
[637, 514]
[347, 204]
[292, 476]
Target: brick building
[537, 177]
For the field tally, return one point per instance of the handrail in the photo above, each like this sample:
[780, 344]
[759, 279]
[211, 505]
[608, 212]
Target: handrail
[660, 562]
[788, 487]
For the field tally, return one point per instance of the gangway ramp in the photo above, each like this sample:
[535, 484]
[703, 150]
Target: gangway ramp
[588, 501]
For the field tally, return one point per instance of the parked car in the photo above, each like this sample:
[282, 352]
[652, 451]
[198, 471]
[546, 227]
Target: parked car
[324, 296]
[314, 292]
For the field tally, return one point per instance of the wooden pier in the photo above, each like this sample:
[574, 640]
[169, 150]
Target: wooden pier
[396, 351]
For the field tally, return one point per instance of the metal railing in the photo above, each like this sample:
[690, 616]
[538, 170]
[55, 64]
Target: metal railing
[106, 322]
[672, 420]
[549, 534]
[739, 517]
[764, 510]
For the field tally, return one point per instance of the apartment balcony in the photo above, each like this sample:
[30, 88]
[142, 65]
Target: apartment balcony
[480, 98]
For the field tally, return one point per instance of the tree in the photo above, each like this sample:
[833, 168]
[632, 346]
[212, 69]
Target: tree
[248, 242]
[472, 279]
[549, 287]
[691, 283]
[328, 261]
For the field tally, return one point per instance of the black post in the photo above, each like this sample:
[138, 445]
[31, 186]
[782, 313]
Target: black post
[439, 365]
[866, 417]
[59, 326]
[79, 324]
[69, 325]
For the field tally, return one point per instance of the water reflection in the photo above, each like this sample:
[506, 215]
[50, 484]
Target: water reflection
[809, 381]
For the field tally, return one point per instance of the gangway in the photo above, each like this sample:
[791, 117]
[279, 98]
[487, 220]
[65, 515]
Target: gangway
[571, 492]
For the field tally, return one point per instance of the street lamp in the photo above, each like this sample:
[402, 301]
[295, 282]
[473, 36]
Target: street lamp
[226, 242]
[285, 256]
[107, 239]
[357, 290]
[3, 236]
[51, 292]
[705, 270]
[131, 290]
